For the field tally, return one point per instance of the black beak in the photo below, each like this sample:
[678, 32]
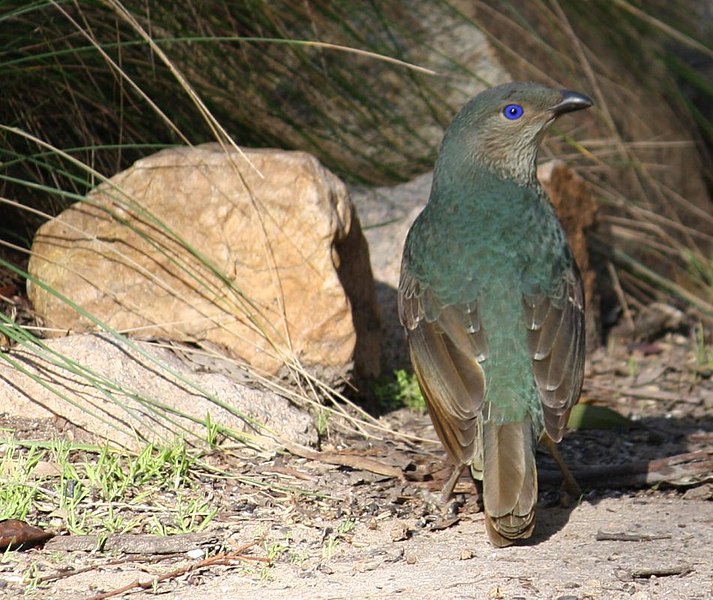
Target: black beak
[570, 101]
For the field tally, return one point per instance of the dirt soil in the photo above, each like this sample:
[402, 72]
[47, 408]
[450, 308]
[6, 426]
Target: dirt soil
[369, 523]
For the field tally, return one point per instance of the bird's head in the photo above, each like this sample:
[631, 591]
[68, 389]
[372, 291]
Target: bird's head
[501, 128]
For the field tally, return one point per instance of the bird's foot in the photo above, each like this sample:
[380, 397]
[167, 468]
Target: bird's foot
[451, 483]
[569, 490]
[569, 494]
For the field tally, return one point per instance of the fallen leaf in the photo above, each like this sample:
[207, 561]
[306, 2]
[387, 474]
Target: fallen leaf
[589, 416]
[18, 535]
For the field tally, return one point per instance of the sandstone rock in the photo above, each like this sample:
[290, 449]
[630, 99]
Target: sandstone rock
[194, 244]
[388, 212]
[144, 394]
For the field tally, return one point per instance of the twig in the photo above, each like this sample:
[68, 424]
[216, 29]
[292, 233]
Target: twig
[218, 559]
[616, 284]
[346, 460]
[616, 536]
[661, 572]
[66, 573]
[643, 393]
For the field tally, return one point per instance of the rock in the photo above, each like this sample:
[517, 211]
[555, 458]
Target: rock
[388, 212]
[144, 394]
[703, 493]
[195, 244]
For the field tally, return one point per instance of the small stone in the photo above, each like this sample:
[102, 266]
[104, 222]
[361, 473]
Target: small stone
[466, 554]
[701, 492]
[570, 585]
[363, 567]
[400, 532]
[623, 575]
[392, 557]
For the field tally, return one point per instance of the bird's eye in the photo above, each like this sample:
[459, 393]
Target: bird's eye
[513, 111]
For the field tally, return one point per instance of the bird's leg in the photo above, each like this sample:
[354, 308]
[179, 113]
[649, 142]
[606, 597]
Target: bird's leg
[569, 484]
[451, 483]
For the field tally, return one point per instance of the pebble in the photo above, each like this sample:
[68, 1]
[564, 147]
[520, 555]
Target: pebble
[400, 532]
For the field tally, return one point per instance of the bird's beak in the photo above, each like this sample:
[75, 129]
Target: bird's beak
[570, 101]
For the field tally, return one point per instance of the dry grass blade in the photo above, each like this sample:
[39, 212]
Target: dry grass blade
[221, 135]
[667, 29]
[117, 69]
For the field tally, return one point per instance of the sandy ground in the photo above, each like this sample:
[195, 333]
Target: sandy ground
[362, 520]
[563, 561]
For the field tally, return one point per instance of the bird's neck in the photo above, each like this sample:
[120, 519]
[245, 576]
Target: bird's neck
[490, 155]
[467, 178]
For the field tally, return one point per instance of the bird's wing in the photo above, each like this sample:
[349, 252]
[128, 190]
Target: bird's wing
[446, 344]
[555, 338]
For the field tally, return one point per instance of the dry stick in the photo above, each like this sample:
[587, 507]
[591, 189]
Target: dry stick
[346, 460]
[218, 559]
[621, 536]
[119, 561]
[620, 295]
[642, 393]
[661, 572]
[636, 285]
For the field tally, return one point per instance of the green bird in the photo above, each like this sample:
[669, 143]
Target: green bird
[492, 301]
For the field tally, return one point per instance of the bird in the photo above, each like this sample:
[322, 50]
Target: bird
[492, 302]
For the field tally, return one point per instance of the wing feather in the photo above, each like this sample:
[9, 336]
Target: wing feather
[555, 330]
[446, 344]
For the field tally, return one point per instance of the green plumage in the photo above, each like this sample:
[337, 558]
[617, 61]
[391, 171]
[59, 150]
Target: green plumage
[492, 301]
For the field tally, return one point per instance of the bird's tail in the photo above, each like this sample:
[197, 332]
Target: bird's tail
[509, 481]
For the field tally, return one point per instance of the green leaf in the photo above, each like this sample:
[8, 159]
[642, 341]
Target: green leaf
[589, 416]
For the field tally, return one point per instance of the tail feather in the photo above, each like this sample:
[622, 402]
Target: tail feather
[509, 481]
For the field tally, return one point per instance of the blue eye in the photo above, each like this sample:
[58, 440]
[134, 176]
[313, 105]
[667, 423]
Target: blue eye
[513, 111]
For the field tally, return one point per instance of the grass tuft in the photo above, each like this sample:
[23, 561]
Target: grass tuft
[87, 490]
